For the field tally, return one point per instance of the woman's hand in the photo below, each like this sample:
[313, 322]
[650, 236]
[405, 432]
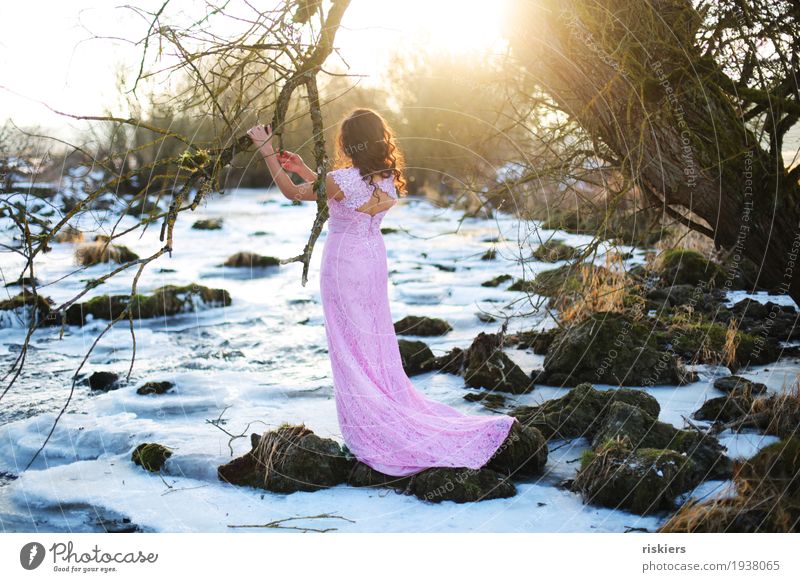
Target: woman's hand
[292, 162]
[262, 137]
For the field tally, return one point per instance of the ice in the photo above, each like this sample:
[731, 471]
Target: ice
[263, 361]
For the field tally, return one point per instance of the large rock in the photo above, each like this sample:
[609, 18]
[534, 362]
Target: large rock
[208, 224]
[438, 484]
[702, 300]
[714, 343]
[522, 454]
[23, 309]
[452, 362]
[643, 481]
[421, 326]
[487, 366]
[580, 411]
[496, 281]
[461, 485]
[154, 387]
[538, 341]
[251, 260]
[287, 459]
[561, 282]
[739, 385]
[688, 267]
[164, 301]
[644, 431]
[610, 348]
[770, 320]
[104, 381]
[362, 475]
[416, 356]
[151, 456]
[724, 408]
[553, 250]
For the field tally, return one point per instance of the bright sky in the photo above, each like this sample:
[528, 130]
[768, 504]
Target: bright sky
[45, 54]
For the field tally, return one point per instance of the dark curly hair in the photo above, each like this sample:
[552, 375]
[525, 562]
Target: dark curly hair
[366, 142]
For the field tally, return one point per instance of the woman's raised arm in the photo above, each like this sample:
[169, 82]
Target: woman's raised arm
[262, 138]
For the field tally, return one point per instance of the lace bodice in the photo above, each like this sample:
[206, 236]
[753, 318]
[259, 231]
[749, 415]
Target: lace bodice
[344, 216]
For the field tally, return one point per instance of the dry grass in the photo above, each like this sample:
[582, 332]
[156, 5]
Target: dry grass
[271, 449]
[681, 236]
[782, 411]
[101, 251]
[731, 343]
[603, 290]
[70, 234]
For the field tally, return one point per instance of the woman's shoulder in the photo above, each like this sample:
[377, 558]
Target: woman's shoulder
[348, 179]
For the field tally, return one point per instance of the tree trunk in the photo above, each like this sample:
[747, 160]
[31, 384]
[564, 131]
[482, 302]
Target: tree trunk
[631, 75]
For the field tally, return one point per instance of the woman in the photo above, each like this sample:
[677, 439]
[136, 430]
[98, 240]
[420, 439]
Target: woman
[385, 422]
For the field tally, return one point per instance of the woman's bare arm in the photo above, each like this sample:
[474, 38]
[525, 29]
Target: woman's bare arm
[262, 137]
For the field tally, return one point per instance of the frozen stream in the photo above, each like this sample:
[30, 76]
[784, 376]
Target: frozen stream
[263, 361]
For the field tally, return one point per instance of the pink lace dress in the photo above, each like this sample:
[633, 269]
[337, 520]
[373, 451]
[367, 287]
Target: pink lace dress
[385, 422]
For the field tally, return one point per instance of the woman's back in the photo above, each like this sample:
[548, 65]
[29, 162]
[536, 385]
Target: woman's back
[361, 196]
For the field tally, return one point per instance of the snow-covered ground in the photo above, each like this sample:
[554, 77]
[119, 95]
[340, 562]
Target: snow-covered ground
[263, 361]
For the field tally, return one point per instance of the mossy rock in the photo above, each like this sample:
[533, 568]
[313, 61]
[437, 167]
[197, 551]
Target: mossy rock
[723, 408]
[362, 475]
[639, 427]
[610, 348]
[104, 381]
[706, 343]
[688, 267]
[452, 362]
[538, 341]
[288, 459]
[154, 388]
[416, 356]
[208, 224]
[581, 410]
[151, 456]
[643, 430]
[23, 309]
[164, 301]
[777, 323]
[554, 250]
[564, 280]
[562, 284]
[489, 255]
[489, 399]
[422, 326]
[643, 481]
[522, 454]
[497, 281]
[251, 260]
[487, 366]
[461, 485]
[739, 385]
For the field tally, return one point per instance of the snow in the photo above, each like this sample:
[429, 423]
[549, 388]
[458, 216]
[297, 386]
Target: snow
[262, 361]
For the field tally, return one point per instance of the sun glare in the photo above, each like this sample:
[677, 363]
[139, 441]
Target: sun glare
[457, 27]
